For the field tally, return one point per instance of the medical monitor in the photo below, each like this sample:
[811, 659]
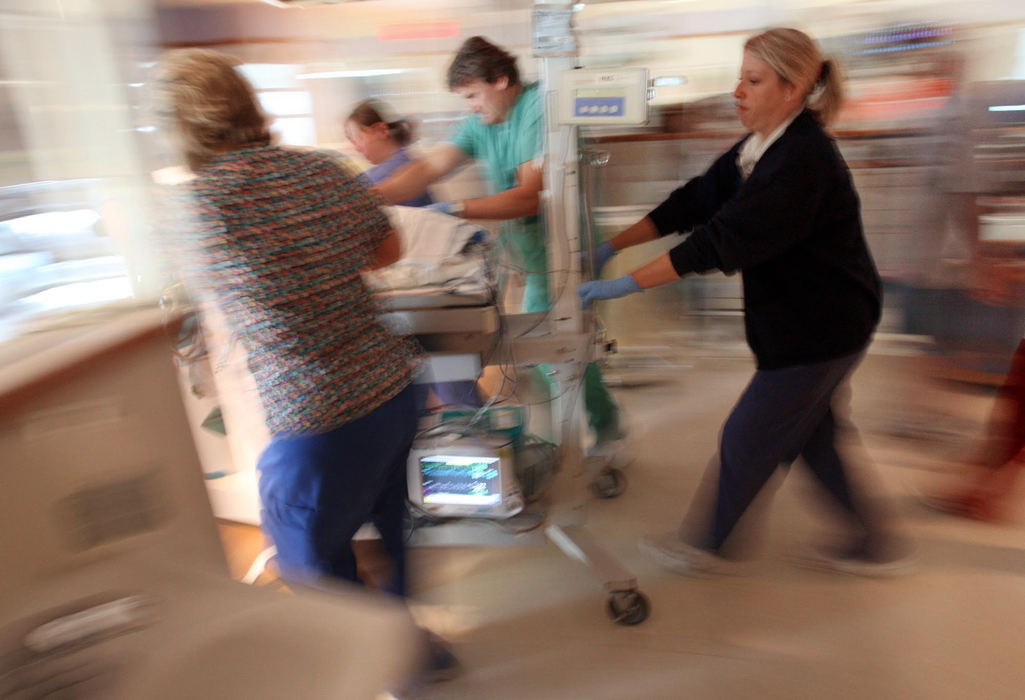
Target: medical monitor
[593, 97]
[457, 476]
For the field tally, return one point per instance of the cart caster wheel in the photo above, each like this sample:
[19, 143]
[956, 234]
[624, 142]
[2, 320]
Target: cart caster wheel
[628, 607]
[611, 482]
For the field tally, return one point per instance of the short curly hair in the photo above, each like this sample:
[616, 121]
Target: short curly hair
[479, 59]
[209, 106]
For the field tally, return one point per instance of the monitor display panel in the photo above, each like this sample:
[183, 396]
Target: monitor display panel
[471, 480]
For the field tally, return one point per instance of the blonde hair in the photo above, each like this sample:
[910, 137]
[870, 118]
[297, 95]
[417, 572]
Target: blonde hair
[210, 106]
[797, 60]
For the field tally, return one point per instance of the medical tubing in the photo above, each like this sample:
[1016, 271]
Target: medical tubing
[587, 242]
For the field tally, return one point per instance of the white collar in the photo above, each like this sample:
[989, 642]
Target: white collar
[756, 146]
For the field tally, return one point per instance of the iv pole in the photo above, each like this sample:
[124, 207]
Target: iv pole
[567, 338]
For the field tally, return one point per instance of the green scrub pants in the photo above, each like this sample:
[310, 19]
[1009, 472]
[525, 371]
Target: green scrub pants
[602, 411]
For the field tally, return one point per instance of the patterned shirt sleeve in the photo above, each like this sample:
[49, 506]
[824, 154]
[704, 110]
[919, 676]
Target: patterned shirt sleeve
[192, 238]
[368, 218]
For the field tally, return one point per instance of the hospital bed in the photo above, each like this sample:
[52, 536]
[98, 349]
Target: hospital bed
[443, 292]
[445, 296]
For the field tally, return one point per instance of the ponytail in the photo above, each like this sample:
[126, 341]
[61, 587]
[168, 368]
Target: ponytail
[401, 131]
[370, 112]
[827, 94]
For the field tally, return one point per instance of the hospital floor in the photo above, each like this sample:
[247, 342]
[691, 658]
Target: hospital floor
[528, 622]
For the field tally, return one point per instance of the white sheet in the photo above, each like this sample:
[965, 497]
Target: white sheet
[431, 253]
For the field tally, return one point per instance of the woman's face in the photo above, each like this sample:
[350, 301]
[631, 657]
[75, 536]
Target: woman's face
[763, 99]
[372, 142]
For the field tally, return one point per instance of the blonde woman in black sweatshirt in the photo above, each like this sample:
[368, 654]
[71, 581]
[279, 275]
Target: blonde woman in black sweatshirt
[780, 208]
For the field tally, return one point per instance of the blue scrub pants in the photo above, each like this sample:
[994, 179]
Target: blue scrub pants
[318, 490]
[784, 414]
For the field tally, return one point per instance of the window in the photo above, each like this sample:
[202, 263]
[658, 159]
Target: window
[290, 109]
[1019, 64]
[74, 221]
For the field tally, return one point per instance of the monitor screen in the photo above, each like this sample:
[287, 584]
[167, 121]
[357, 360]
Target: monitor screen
[461, 480]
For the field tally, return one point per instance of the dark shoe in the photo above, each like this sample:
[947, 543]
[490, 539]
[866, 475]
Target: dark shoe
[883, 562]
[871, 568]
[442, 664]
[437, 664]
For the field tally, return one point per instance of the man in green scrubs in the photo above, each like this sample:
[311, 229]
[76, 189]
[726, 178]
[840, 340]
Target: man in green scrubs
[505, 130]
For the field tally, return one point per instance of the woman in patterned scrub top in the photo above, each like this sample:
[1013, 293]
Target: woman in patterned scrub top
[278, 241]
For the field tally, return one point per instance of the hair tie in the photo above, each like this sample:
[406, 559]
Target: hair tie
[824, 72]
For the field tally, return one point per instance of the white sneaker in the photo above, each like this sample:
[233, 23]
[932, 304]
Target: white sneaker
[676, 555]
[903, 565]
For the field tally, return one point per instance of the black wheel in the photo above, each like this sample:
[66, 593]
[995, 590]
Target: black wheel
[628, 607]
[611, 482]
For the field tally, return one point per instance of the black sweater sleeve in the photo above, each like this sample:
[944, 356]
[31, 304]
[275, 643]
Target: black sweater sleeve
[697, 201]
[759, 218]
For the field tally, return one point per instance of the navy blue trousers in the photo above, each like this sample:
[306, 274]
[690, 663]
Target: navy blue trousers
[784, 414]
[318, 490]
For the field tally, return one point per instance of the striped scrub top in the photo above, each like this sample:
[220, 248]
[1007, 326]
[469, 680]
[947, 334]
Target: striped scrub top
[279, 239]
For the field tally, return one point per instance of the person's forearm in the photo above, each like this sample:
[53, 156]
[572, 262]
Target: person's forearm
[408, 182]
[641, 232]
[387, 252]
[383, 258]
[512, 204]
[658, 271]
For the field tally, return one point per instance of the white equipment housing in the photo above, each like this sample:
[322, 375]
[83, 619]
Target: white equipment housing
[114, 580]
[457, 476]
[603, 97]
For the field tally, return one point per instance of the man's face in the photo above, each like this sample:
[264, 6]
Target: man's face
[489, 101]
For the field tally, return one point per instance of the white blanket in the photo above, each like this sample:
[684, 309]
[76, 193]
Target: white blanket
[431, 252]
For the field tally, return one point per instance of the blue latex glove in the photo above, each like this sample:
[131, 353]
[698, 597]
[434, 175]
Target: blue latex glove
[602, 254]
[599, 256]
[444, 207]
[607, 289]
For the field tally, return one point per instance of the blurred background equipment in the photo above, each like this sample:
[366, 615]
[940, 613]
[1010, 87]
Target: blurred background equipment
[114, 580]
